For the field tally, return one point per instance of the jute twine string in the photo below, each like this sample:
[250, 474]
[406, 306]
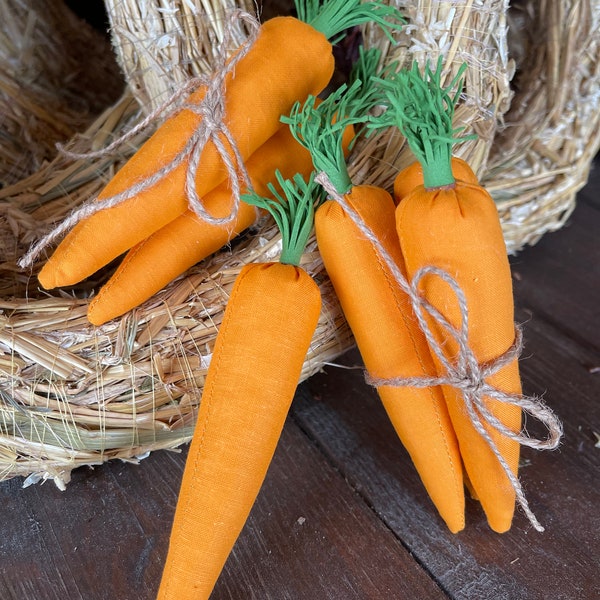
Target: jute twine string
[212, 127]
[466, 374]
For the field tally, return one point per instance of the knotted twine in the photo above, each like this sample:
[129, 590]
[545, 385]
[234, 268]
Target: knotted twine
[212, 127]
[466, 374]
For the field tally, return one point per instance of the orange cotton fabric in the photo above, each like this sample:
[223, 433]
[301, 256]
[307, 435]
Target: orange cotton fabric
[255, 367]
[186, 240]
[288, 61]
[183, 242]
[458, 230]
[390, 341]
[412, 176]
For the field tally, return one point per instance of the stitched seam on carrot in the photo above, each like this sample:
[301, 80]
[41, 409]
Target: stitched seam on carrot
[201, 439]
[394, 289]
[393, 286]
[457, 380]
[390, 278]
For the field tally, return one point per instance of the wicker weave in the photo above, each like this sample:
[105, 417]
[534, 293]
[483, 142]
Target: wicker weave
[56, 74]
[72, 394]
[542, 156]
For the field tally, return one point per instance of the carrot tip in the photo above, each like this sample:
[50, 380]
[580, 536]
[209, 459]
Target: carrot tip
[47, 277]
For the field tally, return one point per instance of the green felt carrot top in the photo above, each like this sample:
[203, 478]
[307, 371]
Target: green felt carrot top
[333, 17]
[293, 209]
[423, 111]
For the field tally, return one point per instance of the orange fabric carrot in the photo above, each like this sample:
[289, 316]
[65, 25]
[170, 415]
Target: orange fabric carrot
[267, 327]
[379, 314]
[289, 59]
[463, 237]
[186, 240]
[377, 310]
[174, 248]
[454, 226]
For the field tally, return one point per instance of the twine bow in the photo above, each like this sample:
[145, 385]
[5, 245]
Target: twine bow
[212, 127]
[465, 374]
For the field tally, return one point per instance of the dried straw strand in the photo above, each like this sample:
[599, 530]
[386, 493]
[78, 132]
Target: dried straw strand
[56, 74]
[160, 45]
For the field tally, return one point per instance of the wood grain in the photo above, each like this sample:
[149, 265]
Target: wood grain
[559, 278]
[105, 536]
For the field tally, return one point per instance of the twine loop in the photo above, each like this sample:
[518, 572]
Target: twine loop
[464, 373]
[212, 127]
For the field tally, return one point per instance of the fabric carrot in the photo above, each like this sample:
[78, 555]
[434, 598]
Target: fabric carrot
[377, 310]
[289, 59]
[174, 248]
[267, 327]
[186, 240]
[454, 226]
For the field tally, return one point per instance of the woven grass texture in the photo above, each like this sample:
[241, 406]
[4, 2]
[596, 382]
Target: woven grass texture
[160, 45]
[56, 75]
[72, 394]
[541, 158]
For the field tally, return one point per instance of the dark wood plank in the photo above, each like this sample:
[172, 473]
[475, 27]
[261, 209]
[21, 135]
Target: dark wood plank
[351, 427]
[559, 278]
[590, 194]
[100, 539]
[106, 536]
[310, 536]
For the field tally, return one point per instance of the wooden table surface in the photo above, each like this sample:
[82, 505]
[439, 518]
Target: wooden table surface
[342, 514]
